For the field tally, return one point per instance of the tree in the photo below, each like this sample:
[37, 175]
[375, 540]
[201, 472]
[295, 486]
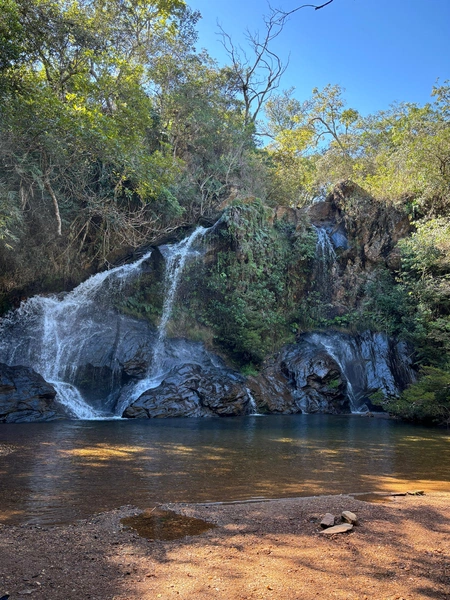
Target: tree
[313, 140]
[256, 73]
[428, 400]
[77, 121]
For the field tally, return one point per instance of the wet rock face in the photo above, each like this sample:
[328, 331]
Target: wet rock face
[331, 372]
[303, 378]
[318, 384]
[119, 350]
[25, 396]
[364, 234]
[357, 222]
[192, 391]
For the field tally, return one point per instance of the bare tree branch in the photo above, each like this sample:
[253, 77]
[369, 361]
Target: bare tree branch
[314, 6]
[49, 189]
[257, 78]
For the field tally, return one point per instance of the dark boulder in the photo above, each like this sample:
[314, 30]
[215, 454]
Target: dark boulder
[190, 390]
[118, 349]
[25, 396]
[302, 378]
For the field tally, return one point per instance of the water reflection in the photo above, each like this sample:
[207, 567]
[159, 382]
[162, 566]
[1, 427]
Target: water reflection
[166, 525]
[62, 471]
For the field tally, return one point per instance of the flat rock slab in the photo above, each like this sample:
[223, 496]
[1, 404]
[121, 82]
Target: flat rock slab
[343, 528]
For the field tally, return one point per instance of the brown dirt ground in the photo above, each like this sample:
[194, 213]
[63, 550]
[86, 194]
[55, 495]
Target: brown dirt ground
[266, 550]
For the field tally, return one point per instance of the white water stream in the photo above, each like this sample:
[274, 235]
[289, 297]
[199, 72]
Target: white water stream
[254, 412]
[56, 330]
[332, 351]
[325, 264]
[324, 246]
[176, 256]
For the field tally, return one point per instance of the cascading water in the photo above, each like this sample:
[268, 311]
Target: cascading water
[368, 361]
[324, 264]
[50, 334]
[176, 256]
[175, 260]
[339, 352]
[254, 412]
[325, 249]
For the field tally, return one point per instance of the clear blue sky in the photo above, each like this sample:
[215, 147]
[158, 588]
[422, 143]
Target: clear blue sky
[380, 51]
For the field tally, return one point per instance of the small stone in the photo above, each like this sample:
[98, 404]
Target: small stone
[349, 517]
[343, 528]
[327, 521]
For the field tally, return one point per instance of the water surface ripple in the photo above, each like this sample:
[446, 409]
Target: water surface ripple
[58, 472]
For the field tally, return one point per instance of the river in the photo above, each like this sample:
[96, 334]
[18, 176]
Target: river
[53, 473]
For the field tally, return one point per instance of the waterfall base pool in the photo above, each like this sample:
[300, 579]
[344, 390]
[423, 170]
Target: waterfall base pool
[58, 472]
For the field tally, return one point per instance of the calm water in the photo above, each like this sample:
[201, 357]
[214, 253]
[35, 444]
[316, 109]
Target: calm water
[58, 472]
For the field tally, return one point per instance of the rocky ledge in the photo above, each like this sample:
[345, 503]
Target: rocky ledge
[332, 372]
[190, 390]
[324, 372]
[25, 396]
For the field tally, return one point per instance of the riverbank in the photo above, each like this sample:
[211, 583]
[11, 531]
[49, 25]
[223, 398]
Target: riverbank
[260, 550]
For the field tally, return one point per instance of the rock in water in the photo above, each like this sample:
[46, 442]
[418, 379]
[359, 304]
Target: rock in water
[25, 396]
[192, 391]
[332, 372]
[343, 528]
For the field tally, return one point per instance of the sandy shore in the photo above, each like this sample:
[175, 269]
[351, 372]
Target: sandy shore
[262, 550]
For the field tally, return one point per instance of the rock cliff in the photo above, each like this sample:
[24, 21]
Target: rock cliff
[245, 287]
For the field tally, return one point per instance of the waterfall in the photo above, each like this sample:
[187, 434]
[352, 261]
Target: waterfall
[175, 256]
[324, 264]
[324, 246]
[368, 362]
[336, 351]
[51, 333]
[254, 412]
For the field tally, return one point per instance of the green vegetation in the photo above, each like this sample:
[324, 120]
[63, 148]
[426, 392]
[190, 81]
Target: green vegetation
[249, 293]
[113, 132]
[426, 401]
[400, 155]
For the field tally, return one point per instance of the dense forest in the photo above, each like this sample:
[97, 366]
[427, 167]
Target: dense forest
[116, 133]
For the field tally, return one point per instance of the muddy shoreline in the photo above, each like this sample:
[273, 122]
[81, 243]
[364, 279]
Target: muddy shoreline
[257, 550]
